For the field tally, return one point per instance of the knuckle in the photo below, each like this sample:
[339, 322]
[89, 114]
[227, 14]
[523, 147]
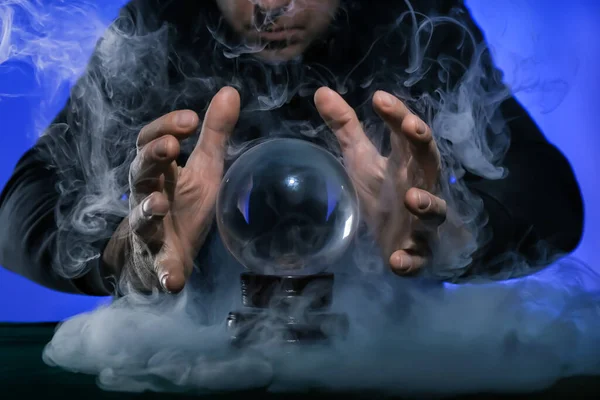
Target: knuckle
[410, 122]
[343, 119]
[419, 129]
[171, 146]
[347, 115]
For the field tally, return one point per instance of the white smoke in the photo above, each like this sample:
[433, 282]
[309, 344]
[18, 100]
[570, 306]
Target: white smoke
[406, 336]
[404, 339]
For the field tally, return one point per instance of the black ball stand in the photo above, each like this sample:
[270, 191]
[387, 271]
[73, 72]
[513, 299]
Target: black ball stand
[286, 309]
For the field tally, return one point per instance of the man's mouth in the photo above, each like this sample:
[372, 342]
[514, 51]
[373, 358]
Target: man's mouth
[279, 34]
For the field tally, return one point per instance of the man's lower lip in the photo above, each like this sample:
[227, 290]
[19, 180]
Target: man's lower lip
[279, 35]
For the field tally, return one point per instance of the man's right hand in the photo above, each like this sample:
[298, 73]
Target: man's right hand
[171, 206]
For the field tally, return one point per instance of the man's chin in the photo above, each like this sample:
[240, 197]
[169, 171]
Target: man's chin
[281, 55]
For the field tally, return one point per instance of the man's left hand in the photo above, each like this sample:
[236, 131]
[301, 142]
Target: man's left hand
[397, 193]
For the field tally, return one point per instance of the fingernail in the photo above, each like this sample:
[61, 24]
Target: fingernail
[147, 208]
[403, 263]
[161, 148]
[185, 119]
[421, 127]
[387, 99]
[423, 201]
[163, 282]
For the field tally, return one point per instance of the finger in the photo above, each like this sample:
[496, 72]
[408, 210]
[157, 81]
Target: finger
[171, 272]
[343, 122]
[430, 209]
[406, 125]
[404, 263]
[393, 112]
[389, 107]
[150, 164]
[423, 148]
[219, 122]
[146, 220]
[177, 123]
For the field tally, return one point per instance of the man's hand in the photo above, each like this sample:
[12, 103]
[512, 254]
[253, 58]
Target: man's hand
[397, 193]
[172, 206]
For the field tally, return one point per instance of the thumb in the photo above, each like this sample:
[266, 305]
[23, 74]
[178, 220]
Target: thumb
[219, 122]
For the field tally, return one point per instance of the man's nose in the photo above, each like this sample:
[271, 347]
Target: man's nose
[273, 8]
[268, 11]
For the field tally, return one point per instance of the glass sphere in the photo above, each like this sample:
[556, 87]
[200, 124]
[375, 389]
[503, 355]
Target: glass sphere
[287, 207]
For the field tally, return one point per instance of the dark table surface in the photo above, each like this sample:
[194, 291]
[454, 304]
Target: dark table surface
[23, 374]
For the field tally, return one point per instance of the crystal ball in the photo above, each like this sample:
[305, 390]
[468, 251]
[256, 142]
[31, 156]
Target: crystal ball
[287, 207]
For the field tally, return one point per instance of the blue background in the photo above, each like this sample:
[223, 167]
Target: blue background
[549, 43]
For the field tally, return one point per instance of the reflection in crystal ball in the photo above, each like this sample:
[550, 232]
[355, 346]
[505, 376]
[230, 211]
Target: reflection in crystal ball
[287, 207]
